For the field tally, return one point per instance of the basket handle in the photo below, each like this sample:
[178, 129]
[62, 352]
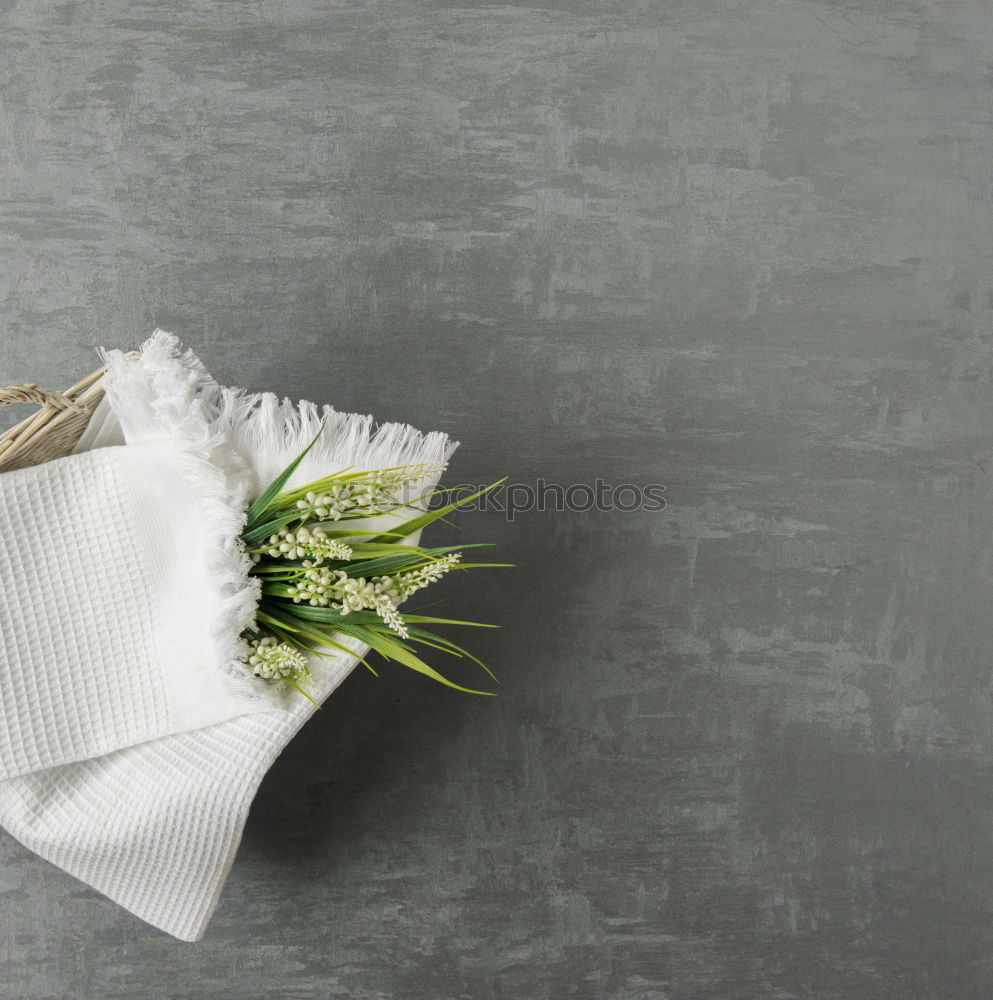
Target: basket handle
[36, 394]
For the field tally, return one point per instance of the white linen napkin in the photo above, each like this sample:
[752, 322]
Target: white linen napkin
[155, 825]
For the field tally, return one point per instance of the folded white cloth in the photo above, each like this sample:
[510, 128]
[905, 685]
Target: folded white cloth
[124, 589]
[155, 823]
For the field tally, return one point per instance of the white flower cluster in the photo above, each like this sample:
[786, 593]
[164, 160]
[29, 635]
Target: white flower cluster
[316, 587]
[323, 587]
[415, 579]
[363, 497]
[302, 543]
[379, 594]
[276, 661]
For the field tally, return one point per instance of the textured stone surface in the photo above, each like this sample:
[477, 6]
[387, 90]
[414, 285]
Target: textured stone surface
[743, 746]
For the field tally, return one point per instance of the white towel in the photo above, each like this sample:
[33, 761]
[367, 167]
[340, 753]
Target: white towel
[155, 825]
[124, 589]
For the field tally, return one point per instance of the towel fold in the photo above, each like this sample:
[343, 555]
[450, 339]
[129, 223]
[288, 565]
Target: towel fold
[125, 589]
[145, 794]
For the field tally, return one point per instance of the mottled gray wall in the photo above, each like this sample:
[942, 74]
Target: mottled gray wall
[744, 746]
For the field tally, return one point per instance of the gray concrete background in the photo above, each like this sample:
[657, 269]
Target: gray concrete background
[744, 746]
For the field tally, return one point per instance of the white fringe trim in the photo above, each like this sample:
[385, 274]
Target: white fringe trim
[160, 396]
[273, 432]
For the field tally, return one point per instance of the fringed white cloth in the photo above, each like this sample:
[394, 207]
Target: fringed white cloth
[132, 741]
[124, 587]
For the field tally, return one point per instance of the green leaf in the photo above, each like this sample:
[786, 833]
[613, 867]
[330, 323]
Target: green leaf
[263, 502]
[317, 635]
[439, 642]
[428, 620]
[403, 561]
[312, 632]
[343, 476]
[293, 684]
[349, 532]
[317, 614]
[271, 621]
[269, 527]
[409, 527]
[399, 652]
[371, 550]
[394, 649]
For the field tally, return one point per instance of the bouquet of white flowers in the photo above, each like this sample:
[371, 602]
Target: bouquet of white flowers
[324, 576]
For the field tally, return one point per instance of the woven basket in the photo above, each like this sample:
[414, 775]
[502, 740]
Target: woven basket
[54, 429]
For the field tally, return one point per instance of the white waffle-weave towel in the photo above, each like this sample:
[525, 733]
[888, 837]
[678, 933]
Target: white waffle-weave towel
[124, 591]
[155, 823]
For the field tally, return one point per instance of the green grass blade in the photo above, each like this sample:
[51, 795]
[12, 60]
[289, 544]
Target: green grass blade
[317, 635]
[269, 620]
[429, 620]
[293, 684]
[446, 645]
[402, 561]
[394, 649]
[409, 527]
[270, 527]
[264, 501]
[349, 532]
